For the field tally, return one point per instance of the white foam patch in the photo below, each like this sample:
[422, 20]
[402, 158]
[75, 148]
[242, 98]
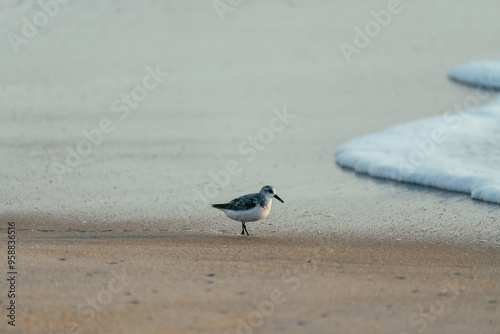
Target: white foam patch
[455, 151]
[484, 74]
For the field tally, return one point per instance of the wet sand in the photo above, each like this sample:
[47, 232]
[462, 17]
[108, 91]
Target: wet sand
[147, 281]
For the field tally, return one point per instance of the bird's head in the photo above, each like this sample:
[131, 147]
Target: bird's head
[270, 192]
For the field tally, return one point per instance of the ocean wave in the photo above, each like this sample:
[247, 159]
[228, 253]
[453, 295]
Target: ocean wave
[457, 151]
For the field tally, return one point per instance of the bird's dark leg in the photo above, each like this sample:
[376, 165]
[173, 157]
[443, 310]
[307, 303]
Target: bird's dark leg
[245, 228]
[242, 228]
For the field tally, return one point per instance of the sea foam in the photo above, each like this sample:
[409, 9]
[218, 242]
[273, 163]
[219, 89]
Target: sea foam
[484, 74]
[457, 151]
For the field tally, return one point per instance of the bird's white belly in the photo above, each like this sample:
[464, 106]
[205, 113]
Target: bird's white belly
[250, 215]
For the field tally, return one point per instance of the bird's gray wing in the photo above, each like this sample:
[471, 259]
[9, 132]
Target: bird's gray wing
[244, 202]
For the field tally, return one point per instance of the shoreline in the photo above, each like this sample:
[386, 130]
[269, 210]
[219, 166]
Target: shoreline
[34, 227]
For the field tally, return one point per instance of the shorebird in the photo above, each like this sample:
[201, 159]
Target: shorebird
[251, 207]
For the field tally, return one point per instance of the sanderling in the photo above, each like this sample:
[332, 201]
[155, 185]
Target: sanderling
[250, 208]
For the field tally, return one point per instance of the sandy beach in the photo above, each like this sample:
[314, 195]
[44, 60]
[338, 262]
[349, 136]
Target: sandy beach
[145, 281]
[122, 121]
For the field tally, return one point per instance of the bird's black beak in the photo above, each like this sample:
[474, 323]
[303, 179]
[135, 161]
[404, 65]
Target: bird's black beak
[278, 198]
